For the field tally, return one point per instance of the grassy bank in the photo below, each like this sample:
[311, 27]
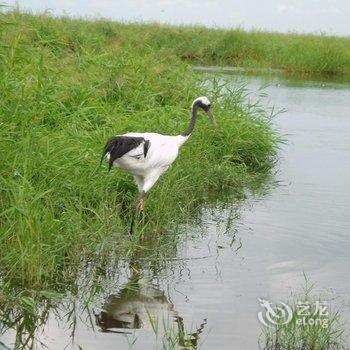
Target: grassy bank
[297, 53]
[68, 85]
[294, 53]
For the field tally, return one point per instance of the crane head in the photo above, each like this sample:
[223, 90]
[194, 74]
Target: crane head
[204, 103]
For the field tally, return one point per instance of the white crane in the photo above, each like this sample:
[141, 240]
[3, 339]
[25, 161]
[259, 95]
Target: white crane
[148, 155]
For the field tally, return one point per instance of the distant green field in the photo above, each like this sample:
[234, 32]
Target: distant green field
[298, 53]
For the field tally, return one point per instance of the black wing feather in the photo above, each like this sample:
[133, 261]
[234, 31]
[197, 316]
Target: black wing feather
[117, 146]
[146, 147]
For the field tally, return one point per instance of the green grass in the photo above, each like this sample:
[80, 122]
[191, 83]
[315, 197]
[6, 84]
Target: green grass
[67, 86]
[302, 54]
[310, 327]
[298, 53]
[306, 337]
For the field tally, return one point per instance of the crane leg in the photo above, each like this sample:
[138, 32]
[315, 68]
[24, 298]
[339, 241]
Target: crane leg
[139, 206]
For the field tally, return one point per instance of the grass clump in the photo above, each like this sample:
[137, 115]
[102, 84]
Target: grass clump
[312, 335]
[313, 325]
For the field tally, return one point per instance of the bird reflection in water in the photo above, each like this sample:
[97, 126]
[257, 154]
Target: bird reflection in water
[134, 307]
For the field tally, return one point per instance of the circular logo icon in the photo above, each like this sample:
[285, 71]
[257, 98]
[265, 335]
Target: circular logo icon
[280, 313]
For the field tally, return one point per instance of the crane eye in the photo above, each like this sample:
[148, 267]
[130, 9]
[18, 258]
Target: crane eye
[206, 107]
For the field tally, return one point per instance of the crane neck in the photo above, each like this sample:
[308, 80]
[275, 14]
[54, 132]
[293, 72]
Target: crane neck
[193, 120]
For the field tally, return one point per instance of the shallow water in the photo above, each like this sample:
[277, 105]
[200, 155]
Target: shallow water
[259, 248]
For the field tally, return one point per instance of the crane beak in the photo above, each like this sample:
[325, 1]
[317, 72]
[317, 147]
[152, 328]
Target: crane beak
[211, 116]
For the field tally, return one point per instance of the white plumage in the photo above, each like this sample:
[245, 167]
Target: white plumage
[148, 155]
[161, 154]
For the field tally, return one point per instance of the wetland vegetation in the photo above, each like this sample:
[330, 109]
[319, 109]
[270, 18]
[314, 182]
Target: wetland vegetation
[313, 325]
[69, 84]
[66, 86]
